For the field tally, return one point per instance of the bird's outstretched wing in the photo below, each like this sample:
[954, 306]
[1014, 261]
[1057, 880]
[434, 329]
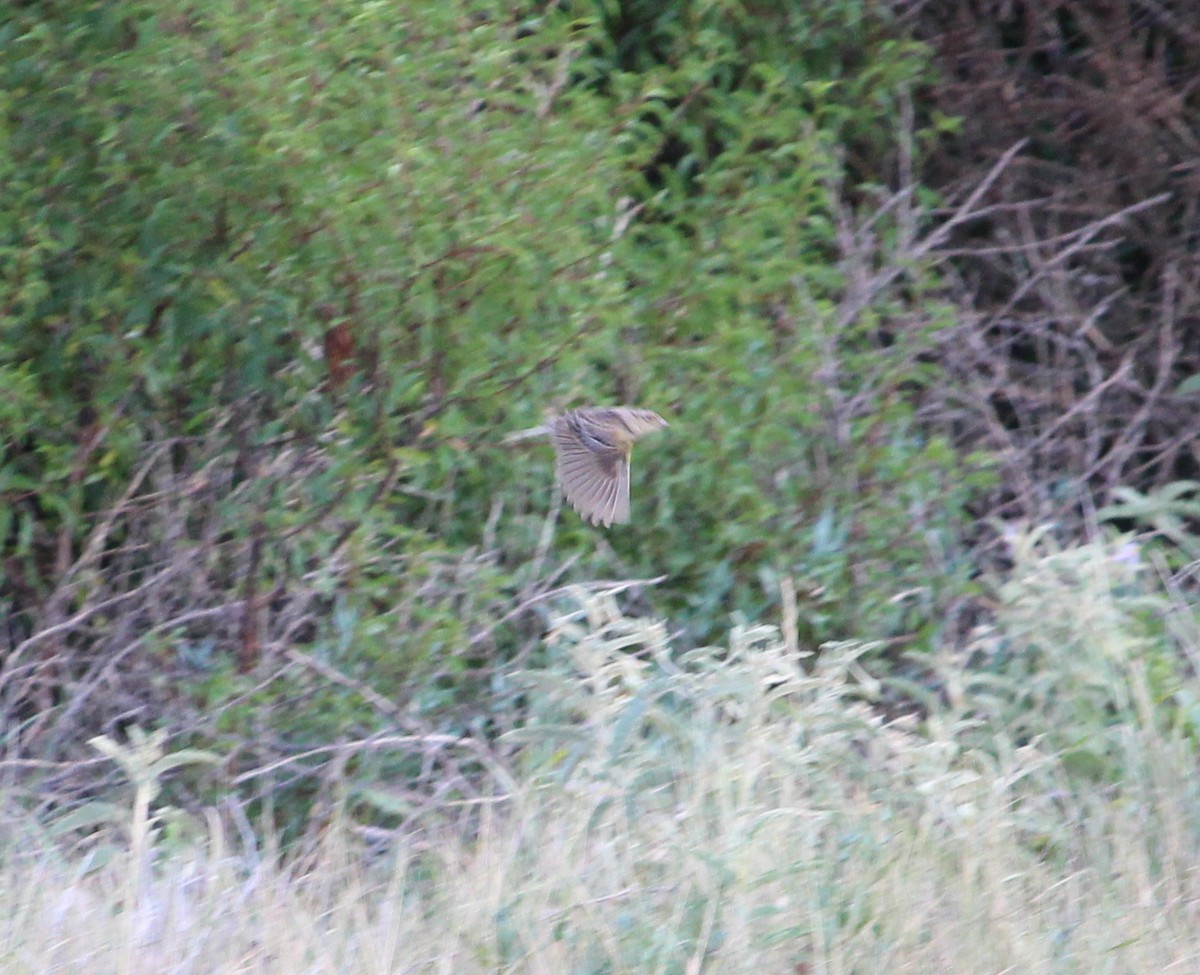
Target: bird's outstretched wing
[594, 479]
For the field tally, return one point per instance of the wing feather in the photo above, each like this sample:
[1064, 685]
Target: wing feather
[605, 502]
[585, 484]
[620, 510]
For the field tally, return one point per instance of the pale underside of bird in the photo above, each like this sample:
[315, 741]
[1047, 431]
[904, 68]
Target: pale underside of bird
[592, 446]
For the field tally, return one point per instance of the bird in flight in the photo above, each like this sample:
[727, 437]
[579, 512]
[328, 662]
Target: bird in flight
[592, 447]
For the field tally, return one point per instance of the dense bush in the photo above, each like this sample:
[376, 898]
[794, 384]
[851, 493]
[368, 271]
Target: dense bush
[738, 807]
[1078, 346]
[277, 278]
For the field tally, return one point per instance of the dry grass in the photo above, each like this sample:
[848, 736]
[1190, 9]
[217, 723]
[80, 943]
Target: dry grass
[734, 811]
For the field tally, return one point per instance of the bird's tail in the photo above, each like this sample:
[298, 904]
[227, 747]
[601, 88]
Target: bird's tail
[530, 434]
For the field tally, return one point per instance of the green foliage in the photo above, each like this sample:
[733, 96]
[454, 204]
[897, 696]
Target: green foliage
[492, 210]
[1170, 511]
[732, 808]
[1082, 658]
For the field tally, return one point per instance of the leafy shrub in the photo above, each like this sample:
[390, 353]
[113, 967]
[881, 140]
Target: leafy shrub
[276, 278]
[1084, 658]
[742, 803]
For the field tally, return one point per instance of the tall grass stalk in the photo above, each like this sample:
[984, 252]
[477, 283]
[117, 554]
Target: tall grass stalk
[742, 808]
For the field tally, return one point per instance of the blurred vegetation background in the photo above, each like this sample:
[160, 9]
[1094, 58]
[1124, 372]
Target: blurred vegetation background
[276, 278]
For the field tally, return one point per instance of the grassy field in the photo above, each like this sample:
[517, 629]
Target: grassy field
[739, 809]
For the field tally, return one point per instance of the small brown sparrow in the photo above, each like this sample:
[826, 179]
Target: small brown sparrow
[592, 447]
